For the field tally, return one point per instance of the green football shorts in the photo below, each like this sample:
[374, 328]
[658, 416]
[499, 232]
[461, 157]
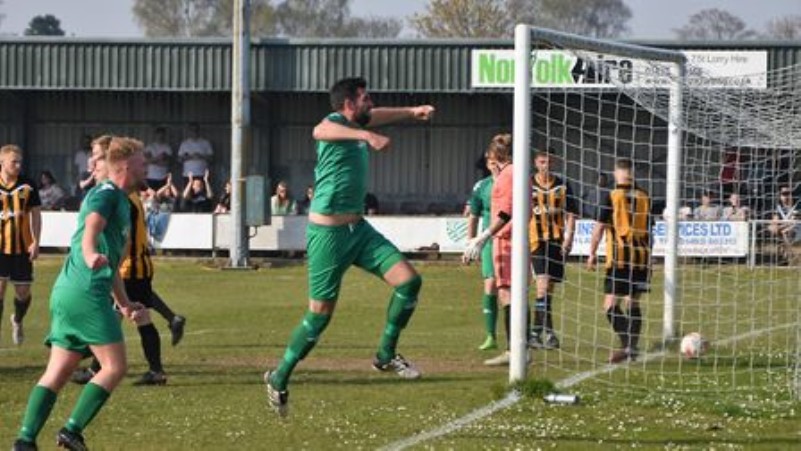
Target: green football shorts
[487, 268]
[78, 320]
[331, 250]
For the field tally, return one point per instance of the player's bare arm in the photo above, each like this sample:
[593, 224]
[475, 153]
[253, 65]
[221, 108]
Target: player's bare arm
[389, 115]
[595, 240]
[570, 228]
[327, 130]
[36, 232]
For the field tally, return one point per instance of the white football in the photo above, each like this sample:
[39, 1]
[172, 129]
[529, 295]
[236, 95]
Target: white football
[693, 345]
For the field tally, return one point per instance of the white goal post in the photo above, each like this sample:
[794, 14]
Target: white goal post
[524, 36]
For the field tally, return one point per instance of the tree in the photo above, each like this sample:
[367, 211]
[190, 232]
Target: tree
[329, 18]
[47, 25]
[190, 18]
[595, 18]
[786, 27]
[715, 25]
[496, 18]
[464, 19]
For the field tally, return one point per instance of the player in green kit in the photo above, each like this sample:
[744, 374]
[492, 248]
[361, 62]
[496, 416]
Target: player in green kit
[480, 208]
[82, 318]
[338, 236]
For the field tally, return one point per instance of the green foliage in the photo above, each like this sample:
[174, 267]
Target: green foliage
[535, 388]
[46, 25]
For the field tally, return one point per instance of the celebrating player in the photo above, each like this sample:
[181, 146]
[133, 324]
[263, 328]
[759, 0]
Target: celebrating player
[480, 208]
[499, 155]
[551, 237]
[82, 320]
[20, 229]
[338, 236]
[625, 215]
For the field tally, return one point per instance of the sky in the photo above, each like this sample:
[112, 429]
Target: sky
[652, 19]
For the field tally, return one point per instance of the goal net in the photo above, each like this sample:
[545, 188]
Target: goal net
[714, 140]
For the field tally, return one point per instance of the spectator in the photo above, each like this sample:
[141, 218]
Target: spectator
[281, 204]
[197, 195]
[730, 171]
[593, 195]
[224, 203]
[85, 181]
[370, 204]
[735, 211]
[304, 205]
[707, 211]
[785, 219]
[167, 196]
[158, 154]
[53, 197]
[195, 153]
[685, 213]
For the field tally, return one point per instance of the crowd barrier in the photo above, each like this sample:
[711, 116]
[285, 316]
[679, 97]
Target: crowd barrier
[447, 234]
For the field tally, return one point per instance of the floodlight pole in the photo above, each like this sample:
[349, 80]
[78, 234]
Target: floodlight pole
[521, 194]
[240, 129]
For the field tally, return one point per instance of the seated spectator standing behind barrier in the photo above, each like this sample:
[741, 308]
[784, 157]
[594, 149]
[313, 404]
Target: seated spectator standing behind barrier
[168, 195]
[706, 211]
[197, 195]
[281, 204]
[224, 203]
[158, 154]
[195, 153]
[784, 223]
[734, 211]
[303, 205]
[53, 197]
[370, 204]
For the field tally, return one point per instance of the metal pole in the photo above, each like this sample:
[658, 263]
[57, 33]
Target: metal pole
[520, 210]
[240, 129]
[671, 291]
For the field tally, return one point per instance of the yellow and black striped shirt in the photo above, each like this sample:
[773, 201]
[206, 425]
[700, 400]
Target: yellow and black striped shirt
[17, 200]
[550, 204]
[137, 263]
[626, 211]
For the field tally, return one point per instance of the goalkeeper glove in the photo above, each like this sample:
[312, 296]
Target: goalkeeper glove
[474, 246]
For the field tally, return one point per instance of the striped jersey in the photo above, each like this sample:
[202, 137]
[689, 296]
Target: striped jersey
[17, 198]
[550, 204]
[137, 263]
[626, 211]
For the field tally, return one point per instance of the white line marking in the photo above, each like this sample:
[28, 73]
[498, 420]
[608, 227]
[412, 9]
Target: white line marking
[514, 397]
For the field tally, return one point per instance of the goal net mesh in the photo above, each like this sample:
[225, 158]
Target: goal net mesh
[739, 285]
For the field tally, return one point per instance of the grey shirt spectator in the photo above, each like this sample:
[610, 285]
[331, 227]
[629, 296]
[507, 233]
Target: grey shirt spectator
[195, 152]
[53, 197]
[707, 211]
[734, 211]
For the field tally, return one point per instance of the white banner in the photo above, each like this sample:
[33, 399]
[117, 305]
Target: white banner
[409, 233]
[494, 68]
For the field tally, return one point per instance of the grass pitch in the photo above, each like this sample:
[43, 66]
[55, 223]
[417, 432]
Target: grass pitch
[738, 396]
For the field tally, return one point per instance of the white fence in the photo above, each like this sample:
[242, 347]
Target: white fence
[185, 231]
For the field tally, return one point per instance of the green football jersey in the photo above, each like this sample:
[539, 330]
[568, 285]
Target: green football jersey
[112, 204]
[340, 177]
[480, 201]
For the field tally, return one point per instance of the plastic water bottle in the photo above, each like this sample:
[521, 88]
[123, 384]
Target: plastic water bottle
[558, 398]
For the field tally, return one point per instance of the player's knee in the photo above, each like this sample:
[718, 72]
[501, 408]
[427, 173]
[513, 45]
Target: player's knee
[315, 323]
[22, 292]
[143, 318]
[410, 289]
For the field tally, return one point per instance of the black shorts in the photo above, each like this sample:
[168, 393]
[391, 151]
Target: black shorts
[139, 290]
[627, 281]
[16, 268]
[547, 260]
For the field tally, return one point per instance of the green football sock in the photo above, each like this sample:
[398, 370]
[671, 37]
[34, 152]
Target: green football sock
[89, 404]
[400, 310]
[489, 304]
[40, 403]
[303, 339]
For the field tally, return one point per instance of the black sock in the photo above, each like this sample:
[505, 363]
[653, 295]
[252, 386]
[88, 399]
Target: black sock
[539, 316]
[619, 324]
[151, 345]
[21, 308]
[95, 365]
[158, 304]
[548, 315]
[507, 322]
[635, 324]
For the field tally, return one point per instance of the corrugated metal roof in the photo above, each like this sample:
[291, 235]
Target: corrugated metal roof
[277, 65]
